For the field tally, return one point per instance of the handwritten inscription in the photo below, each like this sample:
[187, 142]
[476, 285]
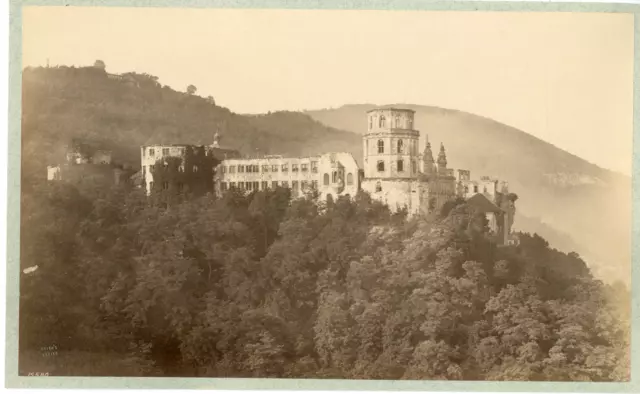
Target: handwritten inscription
[38, 374]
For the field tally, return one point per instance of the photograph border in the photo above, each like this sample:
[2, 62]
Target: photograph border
[12, 380]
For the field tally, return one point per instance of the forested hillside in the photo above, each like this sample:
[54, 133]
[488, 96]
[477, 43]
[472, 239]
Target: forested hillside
[575, 204]
[261, 286]
[252, 286]
[65, 103]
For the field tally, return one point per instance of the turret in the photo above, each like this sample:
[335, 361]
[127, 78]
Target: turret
[427, 159]
[442, 158]
[216, 140]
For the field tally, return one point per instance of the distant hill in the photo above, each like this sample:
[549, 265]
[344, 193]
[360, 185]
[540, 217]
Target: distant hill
[574, 204]
[122, 113]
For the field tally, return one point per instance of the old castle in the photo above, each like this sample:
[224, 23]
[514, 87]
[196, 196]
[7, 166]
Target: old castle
[395, 172]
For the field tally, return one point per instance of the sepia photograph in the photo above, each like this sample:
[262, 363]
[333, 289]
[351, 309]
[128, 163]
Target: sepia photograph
[358, 194]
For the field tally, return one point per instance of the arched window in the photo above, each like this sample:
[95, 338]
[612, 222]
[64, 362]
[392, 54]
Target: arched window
[378, 187]
[380, 146]
[475, 188]
[326, 179]
[383, 121]
[400, 146]
[334, 177]
[381, 166]
[349, 179]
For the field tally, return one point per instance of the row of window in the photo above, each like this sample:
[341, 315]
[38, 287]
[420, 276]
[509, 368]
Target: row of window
[382, 122]
[399, 166]
[165, 151]
[253, 168]
[399, 147]
[250, 186]
[152, 167]
[335, 177]
[475, 189]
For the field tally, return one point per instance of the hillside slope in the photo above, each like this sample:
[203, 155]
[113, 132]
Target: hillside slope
[574, 204]
[63, 103]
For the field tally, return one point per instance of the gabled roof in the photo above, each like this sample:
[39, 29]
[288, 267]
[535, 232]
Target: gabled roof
[482, 204]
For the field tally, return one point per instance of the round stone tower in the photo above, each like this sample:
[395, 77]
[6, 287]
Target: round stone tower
[390, 145]
[391, 159]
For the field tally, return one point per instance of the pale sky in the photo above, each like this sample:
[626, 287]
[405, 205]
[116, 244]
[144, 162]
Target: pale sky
[566, 78]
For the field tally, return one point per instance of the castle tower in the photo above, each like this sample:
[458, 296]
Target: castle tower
[427, 159]
[390, 145]
[442, 159]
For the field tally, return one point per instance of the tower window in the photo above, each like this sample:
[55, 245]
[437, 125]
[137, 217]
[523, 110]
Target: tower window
[475, 188]
[334, 177]
[381, 166]
[349, 179]
[400, 166]
[383, 121]
[380, 146]
[400, 146]
[378, 187]
[326, 179]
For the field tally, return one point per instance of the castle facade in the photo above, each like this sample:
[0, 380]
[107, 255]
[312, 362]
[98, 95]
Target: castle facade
[395, 172]
[331, 174]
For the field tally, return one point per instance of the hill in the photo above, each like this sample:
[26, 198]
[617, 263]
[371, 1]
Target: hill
[574, 204]
[122, 113]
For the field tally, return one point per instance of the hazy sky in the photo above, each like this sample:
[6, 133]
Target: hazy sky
[565, 78]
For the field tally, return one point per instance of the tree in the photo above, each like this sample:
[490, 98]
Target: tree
[99, 64]
[210, 100]
[191, 89]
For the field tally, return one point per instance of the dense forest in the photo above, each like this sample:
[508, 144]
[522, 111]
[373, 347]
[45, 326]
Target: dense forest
[261, 286]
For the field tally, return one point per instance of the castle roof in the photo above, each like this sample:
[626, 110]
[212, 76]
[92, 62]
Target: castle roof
[482, 204]
[391, 109]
